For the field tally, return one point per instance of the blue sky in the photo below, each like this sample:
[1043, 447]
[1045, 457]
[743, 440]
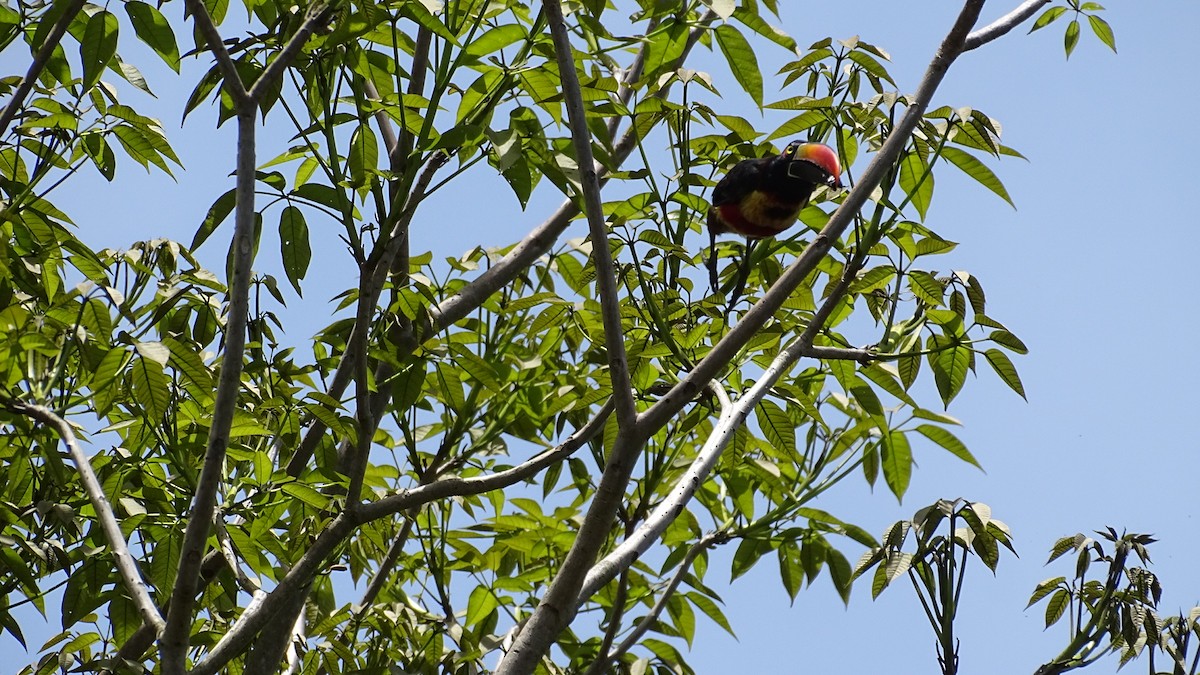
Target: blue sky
[1091, 271]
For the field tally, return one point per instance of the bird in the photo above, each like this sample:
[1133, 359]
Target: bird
[761, 197]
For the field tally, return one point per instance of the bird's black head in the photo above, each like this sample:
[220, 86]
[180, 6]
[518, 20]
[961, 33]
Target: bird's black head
[814, 163]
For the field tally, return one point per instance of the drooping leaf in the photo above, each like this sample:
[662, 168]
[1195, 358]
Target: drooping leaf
[742, 61]
[948, 441]
[98, 46]
[152, 28]
[1006, 370]
[295, 248]
[896, 462]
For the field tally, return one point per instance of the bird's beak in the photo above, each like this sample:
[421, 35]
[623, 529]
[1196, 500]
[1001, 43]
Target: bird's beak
[811, 173]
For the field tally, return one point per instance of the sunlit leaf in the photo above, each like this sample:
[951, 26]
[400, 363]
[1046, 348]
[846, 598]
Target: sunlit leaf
[98, 46]
[742, 61]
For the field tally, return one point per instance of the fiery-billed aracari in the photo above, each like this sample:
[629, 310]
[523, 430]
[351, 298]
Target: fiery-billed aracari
[762, 197]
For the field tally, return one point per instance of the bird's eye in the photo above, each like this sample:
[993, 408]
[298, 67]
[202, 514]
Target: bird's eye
[791, 150]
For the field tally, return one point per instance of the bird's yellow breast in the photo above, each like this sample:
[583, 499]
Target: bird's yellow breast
[768, 211]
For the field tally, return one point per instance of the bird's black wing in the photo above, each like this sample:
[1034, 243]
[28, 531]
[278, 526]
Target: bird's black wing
[741, 180]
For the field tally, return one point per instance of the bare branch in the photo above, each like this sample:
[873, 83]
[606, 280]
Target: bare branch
[225, 545]
[39, 63]
[1003, 25]
[175, 637]
[685, 566]
[297, 580]
[733, 416]
[233, 81]
[127, 567]
[471, 296]
[457, 487]
[318, 15]
[606, 276]
[385, 568]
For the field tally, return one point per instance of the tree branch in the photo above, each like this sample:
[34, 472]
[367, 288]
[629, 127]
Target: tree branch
[39, 63]
[539, 241]
[606, 276]
[294, 583]
[731, 418]
[317, 15]
[725, 350]
[127, 567]
[380, 266]
[1003, 25]
[458, 487]
[176, 634]
[706, 542]
[471, 296]
[233, 81]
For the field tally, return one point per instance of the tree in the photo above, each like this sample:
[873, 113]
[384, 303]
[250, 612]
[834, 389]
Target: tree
[232, 480]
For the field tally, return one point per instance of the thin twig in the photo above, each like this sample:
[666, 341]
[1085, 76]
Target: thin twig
[255, 618]
[606, 276]
[127, 567]
[39, 63]
[685, 566]
[458, 487]
[379, 265]
[554, 612]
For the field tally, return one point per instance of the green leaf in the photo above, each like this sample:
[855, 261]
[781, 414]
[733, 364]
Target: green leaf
[189, 363]
[152, 28]
[926, 288]
[150, 386]
[802, 122]
[1006, 370]
[791, 570]
[887, 381]
[976, 169]
[948, 441]
[756, 23]
[1007, 339]
[896, 462]
[950, 365]
[1103, 31]
[306, 494]
[294, 244]
[1047, 17]
[1056, 606]
[216, 215]
[363, 157]
[1071, 37]
[777, 426]
[711, 610]
[480, 604]
[98, 46]
[917, 182]
[871, 65]
[495, 39]
[742, 61]
[420, 14]
[748, 552]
